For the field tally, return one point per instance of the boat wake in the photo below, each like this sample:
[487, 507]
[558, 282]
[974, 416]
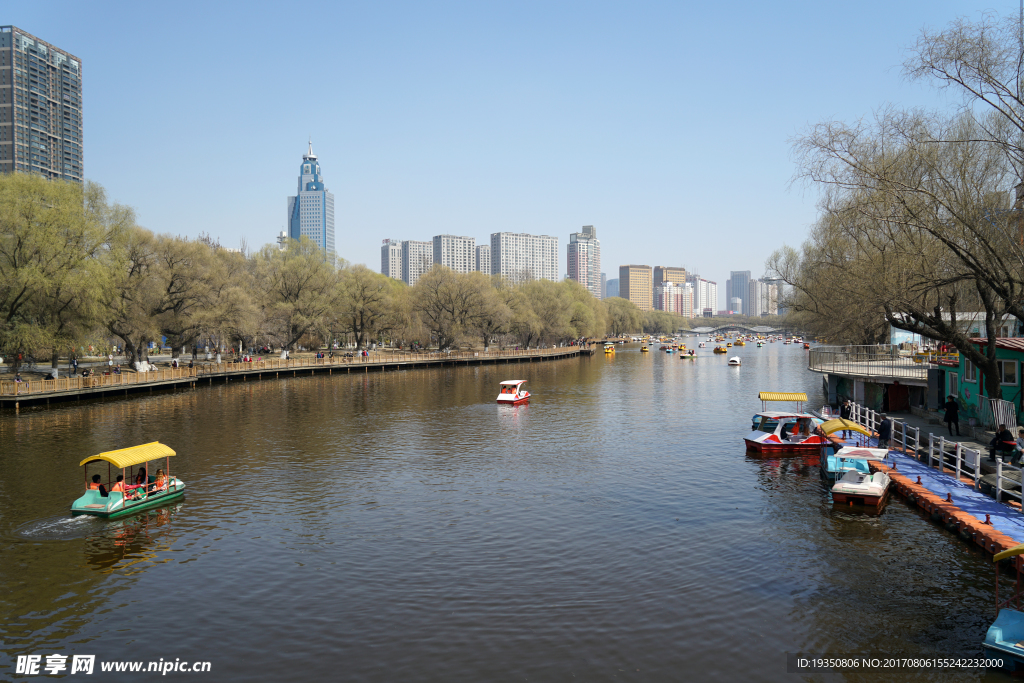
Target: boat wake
[59, 528]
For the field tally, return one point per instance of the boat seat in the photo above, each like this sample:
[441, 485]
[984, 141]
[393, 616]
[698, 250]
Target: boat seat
[1007, 631]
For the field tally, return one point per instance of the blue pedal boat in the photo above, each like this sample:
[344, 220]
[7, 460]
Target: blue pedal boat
[1004, 639]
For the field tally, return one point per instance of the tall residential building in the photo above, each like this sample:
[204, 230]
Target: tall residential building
[776, 305]
[584, 259]
[604, 286]
[611, 288]
[636, 283]
[705, 296]
[483, 258]
[311, 211]
[40, 108]
[674, 298]
[763, 298]
[417, 258]
[667, 274]
[737, 287]
[457, 253]
[391, 259]
[519, 257]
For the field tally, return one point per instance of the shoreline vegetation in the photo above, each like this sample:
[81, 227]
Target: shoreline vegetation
[921, 216]
[78, 276]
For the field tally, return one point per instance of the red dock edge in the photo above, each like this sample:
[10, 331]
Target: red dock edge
[969, 527]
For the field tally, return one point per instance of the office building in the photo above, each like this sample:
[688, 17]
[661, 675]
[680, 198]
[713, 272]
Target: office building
[636, 283]
[519, 257]
[737, 288]
[705, 296]
[417, 258]
[483, 259]
[311, 210]
[391, 259]
[611, 288]
[584, 259]
[457, 253]
[666, 274]
[40, 108]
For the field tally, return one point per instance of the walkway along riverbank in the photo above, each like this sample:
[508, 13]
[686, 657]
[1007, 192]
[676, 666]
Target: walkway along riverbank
[15, 394]
[948, 483]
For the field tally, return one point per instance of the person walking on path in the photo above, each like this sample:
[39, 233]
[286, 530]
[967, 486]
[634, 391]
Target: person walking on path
[952, 415]
[74, 364]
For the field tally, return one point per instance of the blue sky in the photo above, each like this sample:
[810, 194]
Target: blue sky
[667, 126]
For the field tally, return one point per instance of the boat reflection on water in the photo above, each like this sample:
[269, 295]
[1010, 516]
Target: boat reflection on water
[852, 511]
[513, 417]
[132, 542]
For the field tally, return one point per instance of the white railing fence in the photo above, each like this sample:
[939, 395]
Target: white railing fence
[950, 457]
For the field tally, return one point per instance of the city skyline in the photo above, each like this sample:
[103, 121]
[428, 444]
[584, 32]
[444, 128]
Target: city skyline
[495, 136]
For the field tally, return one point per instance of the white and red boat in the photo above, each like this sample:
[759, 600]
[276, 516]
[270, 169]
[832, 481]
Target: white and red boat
[512, 392]
[860, 488]
[786, 432]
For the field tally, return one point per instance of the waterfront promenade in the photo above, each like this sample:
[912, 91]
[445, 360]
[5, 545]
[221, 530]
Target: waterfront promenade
[16, 394]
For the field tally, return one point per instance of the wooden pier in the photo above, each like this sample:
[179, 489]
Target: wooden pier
[13, 395]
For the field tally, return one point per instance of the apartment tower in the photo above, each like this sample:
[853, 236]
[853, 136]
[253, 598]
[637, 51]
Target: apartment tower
[391, 259]
[40, 108]
[584, 259]
[417, 258]
[457, 253]
[519, 257]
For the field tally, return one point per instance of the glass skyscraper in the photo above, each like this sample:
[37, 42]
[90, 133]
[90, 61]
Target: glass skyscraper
[40, 108]
[311, 211]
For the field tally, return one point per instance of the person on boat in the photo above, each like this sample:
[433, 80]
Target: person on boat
[118, 486]
[784, 434]
[95, 485]
[161, 482]
[140, 477]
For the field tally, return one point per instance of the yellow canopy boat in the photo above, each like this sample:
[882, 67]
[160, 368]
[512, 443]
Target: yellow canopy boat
[130, 492]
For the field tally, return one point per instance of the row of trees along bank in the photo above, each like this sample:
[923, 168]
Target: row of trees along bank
[76, 270]
[921, 211]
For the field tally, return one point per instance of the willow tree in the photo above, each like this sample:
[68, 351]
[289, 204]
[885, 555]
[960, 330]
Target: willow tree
[53, 238]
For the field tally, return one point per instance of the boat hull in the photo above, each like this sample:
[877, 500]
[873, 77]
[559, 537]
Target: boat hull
[514, 401]
[859, 498]
[762, 447]
[149, 502]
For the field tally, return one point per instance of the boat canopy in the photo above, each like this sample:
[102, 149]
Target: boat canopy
[838, 423]
[781, 396]
[514, 382]
[136, 455]
[860, 453]
[1009, 552]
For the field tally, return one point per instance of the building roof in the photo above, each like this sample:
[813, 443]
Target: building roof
[1010, 343]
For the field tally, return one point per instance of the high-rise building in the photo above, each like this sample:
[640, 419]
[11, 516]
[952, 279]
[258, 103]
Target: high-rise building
[705, 296]
[604, 286]
[776, 305]
[636, 283]
[391, 259]
[40, 108]
[674, 298]
[611, 288]
[457, 253]
[311, 211]
[417, 258]
[584, 259]
[483, 258]
[667, 274]
[737, 287]
[519, 257]
[763, 298]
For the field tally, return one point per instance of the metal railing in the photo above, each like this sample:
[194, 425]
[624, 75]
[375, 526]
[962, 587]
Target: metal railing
[382, 357]
[949, 457]
[865, 361]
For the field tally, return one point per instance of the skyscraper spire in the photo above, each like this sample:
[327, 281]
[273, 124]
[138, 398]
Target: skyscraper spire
[309, 154]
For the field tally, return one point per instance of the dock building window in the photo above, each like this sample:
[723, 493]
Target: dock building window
[954, 384]
[970, 372]
[1007, 371]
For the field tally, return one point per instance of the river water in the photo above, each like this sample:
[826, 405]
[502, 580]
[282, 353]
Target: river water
[401, 526]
